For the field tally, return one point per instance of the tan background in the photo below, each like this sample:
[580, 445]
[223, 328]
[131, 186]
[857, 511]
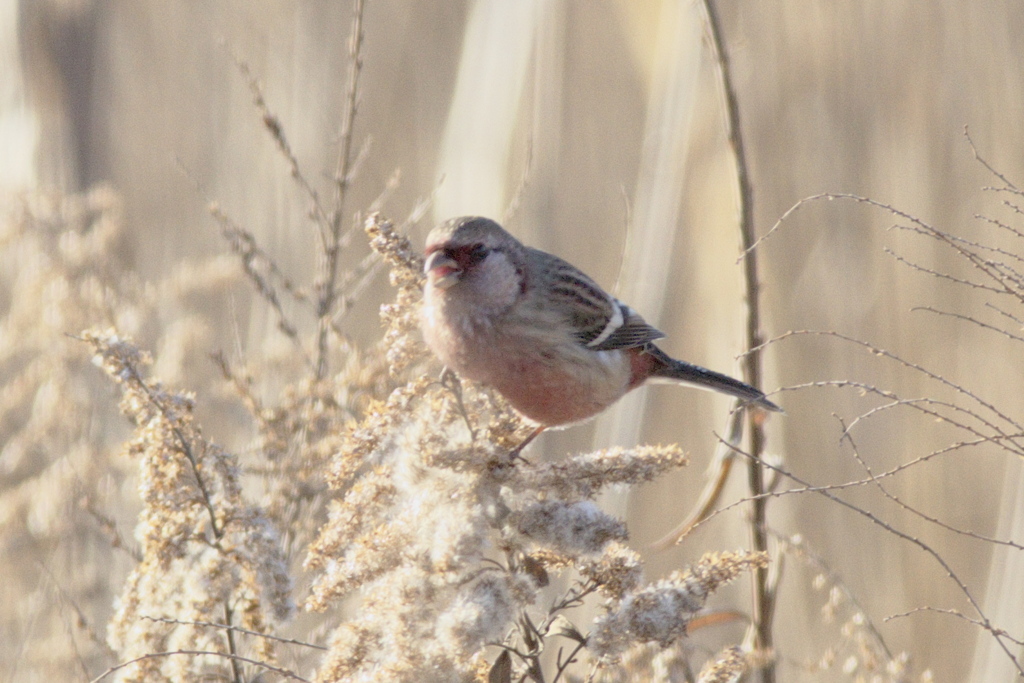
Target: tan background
[615, 107]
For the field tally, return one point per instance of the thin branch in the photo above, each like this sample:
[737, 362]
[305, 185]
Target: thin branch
[985, 247]
[928, 406]
[238, 629]
[969, 319]
[1013, 207]
[276, 129]
[1001, 273]
[1006, 314]
[840, 487]
[254, 262]
[764, 603]
[201, 653]
[913, 366]
[876, 480]
[991, 269]
[918, 226]
[326, 286]
[997, 632]
[984, 163]
[1004, 226]
[801, 551]
[935, 555]
[925, 406]
[563, 665]
[943, 276]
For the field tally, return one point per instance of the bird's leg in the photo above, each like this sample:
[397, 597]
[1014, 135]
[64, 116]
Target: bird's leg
[450, 380]
[515, 453]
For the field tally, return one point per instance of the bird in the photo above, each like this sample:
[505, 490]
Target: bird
[540, 332]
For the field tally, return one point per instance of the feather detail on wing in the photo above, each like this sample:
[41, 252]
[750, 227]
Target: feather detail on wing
[624, 330]
[599, 321]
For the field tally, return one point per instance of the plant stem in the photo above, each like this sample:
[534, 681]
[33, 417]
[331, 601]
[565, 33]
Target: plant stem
[764, 600]
[328, 284]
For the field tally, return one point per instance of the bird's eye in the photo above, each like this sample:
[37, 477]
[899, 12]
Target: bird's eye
[478, 253]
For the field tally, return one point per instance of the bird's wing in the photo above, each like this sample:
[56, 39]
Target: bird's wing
[599, 320]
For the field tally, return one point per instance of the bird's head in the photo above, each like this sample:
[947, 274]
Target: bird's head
[470, 249]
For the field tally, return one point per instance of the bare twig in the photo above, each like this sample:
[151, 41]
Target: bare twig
[847, 485]
[972, 320]
[764, 603]
[801, 551]
[984, 621]
[984, 163]
[943, 276]
[238, 629]
[997, 632]
[326, 287]
[262, 271]
[876, 480]
[238, 659]
[276, 129]
[563, 664]
[109, 527]
[1018, 428]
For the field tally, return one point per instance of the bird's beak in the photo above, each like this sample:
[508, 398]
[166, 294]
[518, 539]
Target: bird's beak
[442, 270]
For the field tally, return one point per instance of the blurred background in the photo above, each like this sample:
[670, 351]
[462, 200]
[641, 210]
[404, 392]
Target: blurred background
[593, 129]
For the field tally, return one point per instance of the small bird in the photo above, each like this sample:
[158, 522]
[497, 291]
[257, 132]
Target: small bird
[539, 331]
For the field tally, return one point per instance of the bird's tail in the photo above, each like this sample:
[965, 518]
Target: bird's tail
[702, 378]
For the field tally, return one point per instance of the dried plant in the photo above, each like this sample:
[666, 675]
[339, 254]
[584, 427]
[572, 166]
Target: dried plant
[661, 612]
[206, 554]
[727, 667]
[62, 263]
[383, 496]
[450, 540]
[858, 650]
[977, 420]
[73, 243]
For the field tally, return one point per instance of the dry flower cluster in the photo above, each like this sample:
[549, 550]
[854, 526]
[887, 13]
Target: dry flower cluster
[207, 555]
[63, 267]
[375, 493]
[451, 541]
[438, 553]
[430, 550]
[859, 652]
[450, 547]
